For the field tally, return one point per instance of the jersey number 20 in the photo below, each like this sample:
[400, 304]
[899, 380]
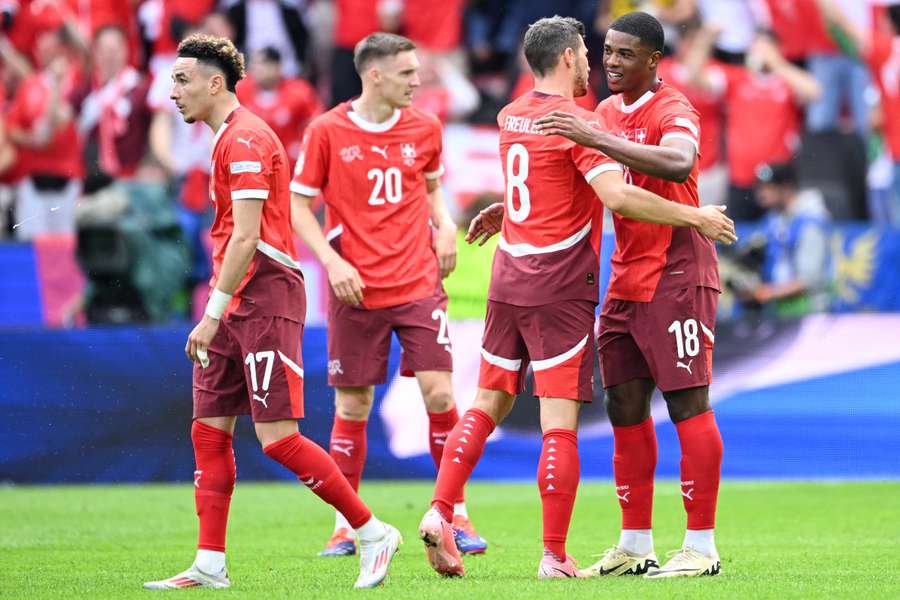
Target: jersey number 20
[387, 180]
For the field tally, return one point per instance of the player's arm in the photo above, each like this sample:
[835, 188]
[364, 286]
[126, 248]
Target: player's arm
[343, 277]
[239, 253]
[639, 204]
[672, 160]
[445, 237]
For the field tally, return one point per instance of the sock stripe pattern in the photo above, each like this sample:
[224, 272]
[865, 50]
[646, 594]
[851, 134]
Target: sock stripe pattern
[439, 427]
[464, 446]
[316, 470]
[214, 479]
[348, 448]
[634, 464]
[701, 465]
[559, 470]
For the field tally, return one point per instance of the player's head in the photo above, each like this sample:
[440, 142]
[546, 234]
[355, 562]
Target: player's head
[776, 185]
[632, 51]
[205, 74]
[555, 43]
[110, 51]
[265, 67]
[388, 67]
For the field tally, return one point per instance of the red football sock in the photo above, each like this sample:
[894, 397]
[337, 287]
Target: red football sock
[558, 473]
[634, 462]
[439, 427]
[213, 483]
[317, 471]
[348, 448]
[464, 447]
[701, 464]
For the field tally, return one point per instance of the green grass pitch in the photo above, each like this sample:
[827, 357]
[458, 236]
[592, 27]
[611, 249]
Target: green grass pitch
[776, 540]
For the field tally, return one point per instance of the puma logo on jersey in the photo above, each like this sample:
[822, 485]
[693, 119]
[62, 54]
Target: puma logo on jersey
[262, 400]
[381, 151]
[686, 367]
[245, 141]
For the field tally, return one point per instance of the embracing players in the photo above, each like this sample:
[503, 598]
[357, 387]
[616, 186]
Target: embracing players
[544, 289]
[657, 326]
[389, 243]
[246, 349]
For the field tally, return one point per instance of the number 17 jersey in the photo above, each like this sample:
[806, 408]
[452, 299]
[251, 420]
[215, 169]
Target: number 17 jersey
[549, 246]
[377, 216]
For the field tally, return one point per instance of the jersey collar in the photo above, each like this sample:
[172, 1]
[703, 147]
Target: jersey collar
[223, 127]
[630, 108]
[374, 127]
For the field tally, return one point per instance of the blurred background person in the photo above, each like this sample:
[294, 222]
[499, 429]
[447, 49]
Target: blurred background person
[278, 24]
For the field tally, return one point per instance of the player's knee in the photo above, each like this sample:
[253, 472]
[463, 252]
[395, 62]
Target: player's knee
[438, 400]
[684, 404]
[353, 404]
[494, 403]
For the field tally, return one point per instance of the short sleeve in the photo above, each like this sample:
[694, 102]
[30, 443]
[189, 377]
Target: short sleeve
[247, 166]
[434, 168]
[311, 170]
[680, 121]
[591, 162]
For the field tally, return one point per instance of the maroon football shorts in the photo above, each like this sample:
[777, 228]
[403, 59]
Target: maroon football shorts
[557, 339]
[255, 367]
[669, 339]
[359, 340]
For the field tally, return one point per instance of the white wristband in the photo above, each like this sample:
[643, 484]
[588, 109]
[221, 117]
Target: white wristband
[218, 302]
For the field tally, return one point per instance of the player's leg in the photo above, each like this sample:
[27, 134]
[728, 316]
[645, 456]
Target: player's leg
[219, 393]
[682, 360]
[358, 347]
[626, 377]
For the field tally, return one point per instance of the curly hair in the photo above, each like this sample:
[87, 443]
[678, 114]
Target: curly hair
[215, 51]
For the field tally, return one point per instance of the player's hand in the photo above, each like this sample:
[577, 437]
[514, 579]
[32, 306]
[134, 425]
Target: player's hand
[569, 126]
[486, 224]
[445, 248]
[201, 337]
[348, 286]
[715, 225]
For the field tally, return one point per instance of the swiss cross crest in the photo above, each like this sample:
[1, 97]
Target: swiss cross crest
[351, 153]
[408, 153]
[637, 135]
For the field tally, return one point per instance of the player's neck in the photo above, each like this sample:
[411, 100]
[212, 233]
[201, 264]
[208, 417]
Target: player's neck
[221, 111]
[373, 108]
[632, 96]
[556, 85]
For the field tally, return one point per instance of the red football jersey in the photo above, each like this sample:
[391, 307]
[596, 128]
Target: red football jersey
[650, 257]
[377, 214]
[763, 122]
[249, 165]
[707, 102]
[883, 58]
[549, 245]
[287, 109]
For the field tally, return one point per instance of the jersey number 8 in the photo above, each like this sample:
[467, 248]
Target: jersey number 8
[515, 182]
[390, 181]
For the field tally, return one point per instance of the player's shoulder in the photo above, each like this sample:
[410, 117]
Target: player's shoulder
[670, 99]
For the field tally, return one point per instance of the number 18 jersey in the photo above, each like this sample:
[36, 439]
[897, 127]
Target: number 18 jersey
[373, 177]
[549, 246]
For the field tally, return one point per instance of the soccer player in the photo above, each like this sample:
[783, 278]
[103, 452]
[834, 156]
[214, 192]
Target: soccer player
[544, 289]
[246, 349]
[657, 326]
[377, 162]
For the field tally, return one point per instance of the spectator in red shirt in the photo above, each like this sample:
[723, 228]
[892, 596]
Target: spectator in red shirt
[287, 104]
[354, 20]
[762, 119]
[42, 126]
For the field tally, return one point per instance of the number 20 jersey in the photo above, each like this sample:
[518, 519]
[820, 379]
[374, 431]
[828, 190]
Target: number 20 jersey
[377, 215]
[549, 246]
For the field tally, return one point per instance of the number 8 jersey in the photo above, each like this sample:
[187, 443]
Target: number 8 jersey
[549, 246]
[373, 179]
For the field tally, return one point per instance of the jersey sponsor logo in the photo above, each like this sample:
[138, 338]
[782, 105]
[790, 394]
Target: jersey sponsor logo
[246, 141]
[408, 153]
[246, 166]
[351, 153]
[381, 151]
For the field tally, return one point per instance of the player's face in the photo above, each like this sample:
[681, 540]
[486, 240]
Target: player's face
[190, 89]
[398, 78]
[629, 65]
[582, 71]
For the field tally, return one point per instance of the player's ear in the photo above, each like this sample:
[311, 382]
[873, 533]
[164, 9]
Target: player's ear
[654, 59]
[568, 57]
[216, 83]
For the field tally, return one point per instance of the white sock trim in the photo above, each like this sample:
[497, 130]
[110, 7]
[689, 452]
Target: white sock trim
[372, 530]
[210, 562]
[636, 541]
[341, 522]
[459, 508]
[701, 540]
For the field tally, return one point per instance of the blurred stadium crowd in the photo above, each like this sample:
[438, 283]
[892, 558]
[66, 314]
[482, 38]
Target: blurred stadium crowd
[799, 103]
